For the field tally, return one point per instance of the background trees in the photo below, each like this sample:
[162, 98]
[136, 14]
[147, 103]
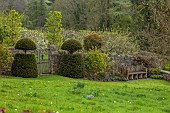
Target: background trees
[147, 20]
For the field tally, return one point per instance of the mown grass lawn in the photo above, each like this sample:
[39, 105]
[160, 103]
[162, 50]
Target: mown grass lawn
[60, 94]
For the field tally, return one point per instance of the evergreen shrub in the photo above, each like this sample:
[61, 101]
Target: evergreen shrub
[5, 57]
[71, 65]
[24, 65]
[71, 46]
[95, 64]
[92, 41]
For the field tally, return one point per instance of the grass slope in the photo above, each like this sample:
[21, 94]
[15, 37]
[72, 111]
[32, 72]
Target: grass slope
[61, 94]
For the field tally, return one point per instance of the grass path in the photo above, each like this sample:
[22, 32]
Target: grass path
[61, 94]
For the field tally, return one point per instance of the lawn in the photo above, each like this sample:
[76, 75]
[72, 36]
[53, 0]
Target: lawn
[66, 95]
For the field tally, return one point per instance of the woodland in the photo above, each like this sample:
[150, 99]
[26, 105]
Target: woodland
[146, 20]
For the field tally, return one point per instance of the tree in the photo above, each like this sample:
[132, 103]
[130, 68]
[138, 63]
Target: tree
[36, 12]
[14, 23]
[53, 28]
[119, 43]
[155, 25]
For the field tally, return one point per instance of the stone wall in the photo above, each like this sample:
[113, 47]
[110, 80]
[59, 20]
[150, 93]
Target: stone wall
[54, 59]
[120, 60]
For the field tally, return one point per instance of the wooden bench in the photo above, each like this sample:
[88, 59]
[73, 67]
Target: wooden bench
[166, 76]
[134, 72]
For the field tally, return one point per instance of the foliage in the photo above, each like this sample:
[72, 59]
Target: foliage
[149, 59]
[71, 46]
[154, 35]
[24, 65]
[167, 67]
[10, 23]
[14, 23]
[36, 12]
[95, 63]
[5, 57]
[157, 77]
[155, 71]
[96, 15]
[92, 41]
[4, 33]
[115, 42]
[71, 65]
[25, 44]
[120, 43]
[53, 28]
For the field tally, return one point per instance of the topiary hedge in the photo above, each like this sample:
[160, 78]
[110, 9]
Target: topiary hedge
[24, 65]
[71, 65]
[71, 46]
[92, 41]
[25, 44]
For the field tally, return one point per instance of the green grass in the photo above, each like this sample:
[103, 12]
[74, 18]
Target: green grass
[61, 94]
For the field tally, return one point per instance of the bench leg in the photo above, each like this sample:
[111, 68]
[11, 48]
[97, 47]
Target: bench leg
[145, 76]
[140, 76]
[131, 77]
[136, 76]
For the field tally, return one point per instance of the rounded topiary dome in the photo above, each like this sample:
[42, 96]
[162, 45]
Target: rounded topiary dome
[25, 44]
[92, 41]
[71, 45]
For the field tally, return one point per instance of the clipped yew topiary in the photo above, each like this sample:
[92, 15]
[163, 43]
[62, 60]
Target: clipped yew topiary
[92, 41]
[24, 65]
[71, 65]
[25, 44]
[71, 46]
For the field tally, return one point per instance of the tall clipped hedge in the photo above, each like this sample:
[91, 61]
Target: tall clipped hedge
[24, 65]
[92, 41]
[71, 65]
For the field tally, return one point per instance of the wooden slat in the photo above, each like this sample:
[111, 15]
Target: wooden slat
[137, 72]
[164, 71]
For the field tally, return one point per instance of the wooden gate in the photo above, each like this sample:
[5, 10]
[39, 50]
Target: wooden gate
[43, 61]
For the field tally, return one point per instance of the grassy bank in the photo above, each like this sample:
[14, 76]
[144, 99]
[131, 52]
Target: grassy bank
[66, 95]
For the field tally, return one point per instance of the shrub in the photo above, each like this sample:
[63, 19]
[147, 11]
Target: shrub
[71, 46]
[167, 67]
[155, 71]
[157, 77]
[24, 65]
[92, 41]
[5, 58]
[25, 44]
[95, 63]
[71, 65]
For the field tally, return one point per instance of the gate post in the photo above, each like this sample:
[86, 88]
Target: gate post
[39, 65]
[49, 59]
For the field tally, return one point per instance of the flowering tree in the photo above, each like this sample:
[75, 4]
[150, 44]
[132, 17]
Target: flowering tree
[37, 36]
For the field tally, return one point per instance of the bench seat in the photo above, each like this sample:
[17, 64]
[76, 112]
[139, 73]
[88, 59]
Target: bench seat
[134, 72]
